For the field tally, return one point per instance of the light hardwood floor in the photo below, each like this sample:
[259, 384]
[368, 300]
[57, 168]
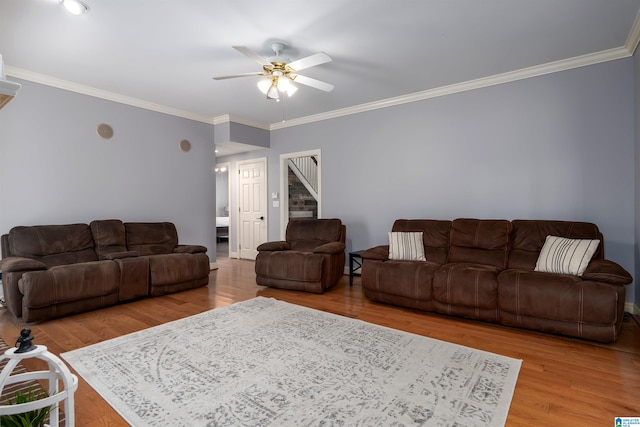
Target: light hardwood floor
[562, 381]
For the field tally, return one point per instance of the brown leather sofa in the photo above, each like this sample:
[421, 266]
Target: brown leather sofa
[311, 259]
[485, 270]
[55, 270]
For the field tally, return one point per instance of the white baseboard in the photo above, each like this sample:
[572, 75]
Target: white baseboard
[213, 266]
[630, 307]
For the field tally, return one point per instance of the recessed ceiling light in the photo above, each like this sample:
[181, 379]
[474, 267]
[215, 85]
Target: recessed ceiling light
[75, 7]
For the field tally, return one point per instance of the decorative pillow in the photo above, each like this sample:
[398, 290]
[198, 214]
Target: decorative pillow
[406, 246]
[566, 256]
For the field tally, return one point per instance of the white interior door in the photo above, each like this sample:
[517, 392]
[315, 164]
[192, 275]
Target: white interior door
[252, 184]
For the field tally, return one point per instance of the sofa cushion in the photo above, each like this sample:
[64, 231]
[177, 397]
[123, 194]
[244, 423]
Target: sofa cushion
[435, 236]
[406, 246]
[480, 241]
[306, 234]
[566, 256]
[151, 238]
[603, 270]
[290, 265]
[406, 279]
[109, 237]
[66, 283]
[467, 285]
[563, 298]
[167, 269]
[21, 264]
[53, 244]
[529, 236]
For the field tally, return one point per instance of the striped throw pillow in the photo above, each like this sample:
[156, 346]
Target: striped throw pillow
[566, 256]
[406, 246]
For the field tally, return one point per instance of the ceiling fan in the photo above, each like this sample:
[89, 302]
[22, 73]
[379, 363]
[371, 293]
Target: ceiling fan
[280, 72]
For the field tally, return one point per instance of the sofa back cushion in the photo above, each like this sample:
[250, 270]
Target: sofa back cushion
[528, 237]
[109, 237]
[480, 241]
[307, 234]
[435, 236]
[151, 238]
[53, 244]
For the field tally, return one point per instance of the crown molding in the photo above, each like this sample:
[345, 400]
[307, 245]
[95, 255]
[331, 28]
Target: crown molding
[511, 76]
[634, 36]
[226, 118]
[102, 94]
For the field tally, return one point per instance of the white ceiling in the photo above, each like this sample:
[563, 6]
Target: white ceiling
[162, 54]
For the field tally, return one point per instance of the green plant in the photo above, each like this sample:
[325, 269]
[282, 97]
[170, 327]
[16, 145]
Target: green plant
[35, 418]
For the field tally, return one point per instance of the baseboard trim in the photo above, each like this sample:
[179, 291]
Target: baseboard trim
[630, 307]
[213, 266]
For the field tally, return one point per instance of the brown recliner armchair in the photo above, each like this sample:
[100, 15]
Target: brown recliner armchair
[311, 259]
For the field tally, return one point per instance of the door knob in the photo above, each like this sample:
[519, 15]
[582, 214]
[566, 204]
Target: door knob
[262, 218]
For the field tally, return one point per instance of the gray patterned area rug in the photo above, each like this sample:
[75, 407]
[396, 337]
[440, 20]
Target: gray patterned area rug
[264, 362]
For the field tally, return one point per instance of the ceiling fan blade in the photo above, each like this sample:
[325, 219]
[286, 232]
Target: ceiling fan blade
[308, 81]
[239, 75]
[310, 61]
[251, 54]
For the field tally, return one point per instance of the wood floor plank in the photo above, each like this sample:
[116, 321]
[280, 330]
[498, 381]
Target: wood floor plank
[563, 381]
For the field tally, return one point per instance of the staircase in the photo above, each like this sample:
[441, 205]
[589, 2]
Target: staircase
[306, 169]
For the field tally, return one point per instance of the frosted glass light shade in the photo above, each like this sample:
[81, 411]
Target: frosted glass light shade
[75, 7]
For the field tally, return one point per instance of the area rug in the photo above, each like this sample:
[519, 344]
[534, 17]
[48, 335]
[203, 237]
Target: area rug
[265, 362]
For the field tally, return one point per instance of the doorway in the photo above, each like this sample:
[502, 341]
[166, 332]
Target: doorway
[222, 210]
[300, 187]
[252, 206]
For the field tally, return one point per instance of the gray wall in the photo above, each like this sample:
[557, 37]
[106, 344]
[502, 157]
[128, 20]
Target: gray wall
[54, 169]
[559, 146]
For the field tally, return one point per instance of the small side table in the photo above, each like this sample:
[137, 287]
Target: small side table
[354, 258]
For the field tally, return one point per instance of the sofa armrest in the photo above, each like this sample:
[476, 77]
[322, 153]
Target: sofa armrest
[274, 246]
[120, 255]
[189, 249]
[330, 248]
[378, 253]
[602, 270]
[12, 264]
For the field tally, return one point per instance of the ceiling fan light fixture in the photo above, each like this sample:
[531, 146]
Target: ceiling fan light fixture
[273, 92]
[284, 85]
[287, 86]
[264, 85]
[75, 7]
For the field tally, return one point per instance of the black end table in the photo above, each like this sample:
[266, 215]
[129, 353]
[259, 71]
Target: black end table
[354, 258]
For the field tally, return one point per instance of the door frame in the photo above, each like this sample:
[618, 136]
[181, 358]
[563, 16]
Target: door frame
[284, 187]
[228, 166]
[264, 198]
